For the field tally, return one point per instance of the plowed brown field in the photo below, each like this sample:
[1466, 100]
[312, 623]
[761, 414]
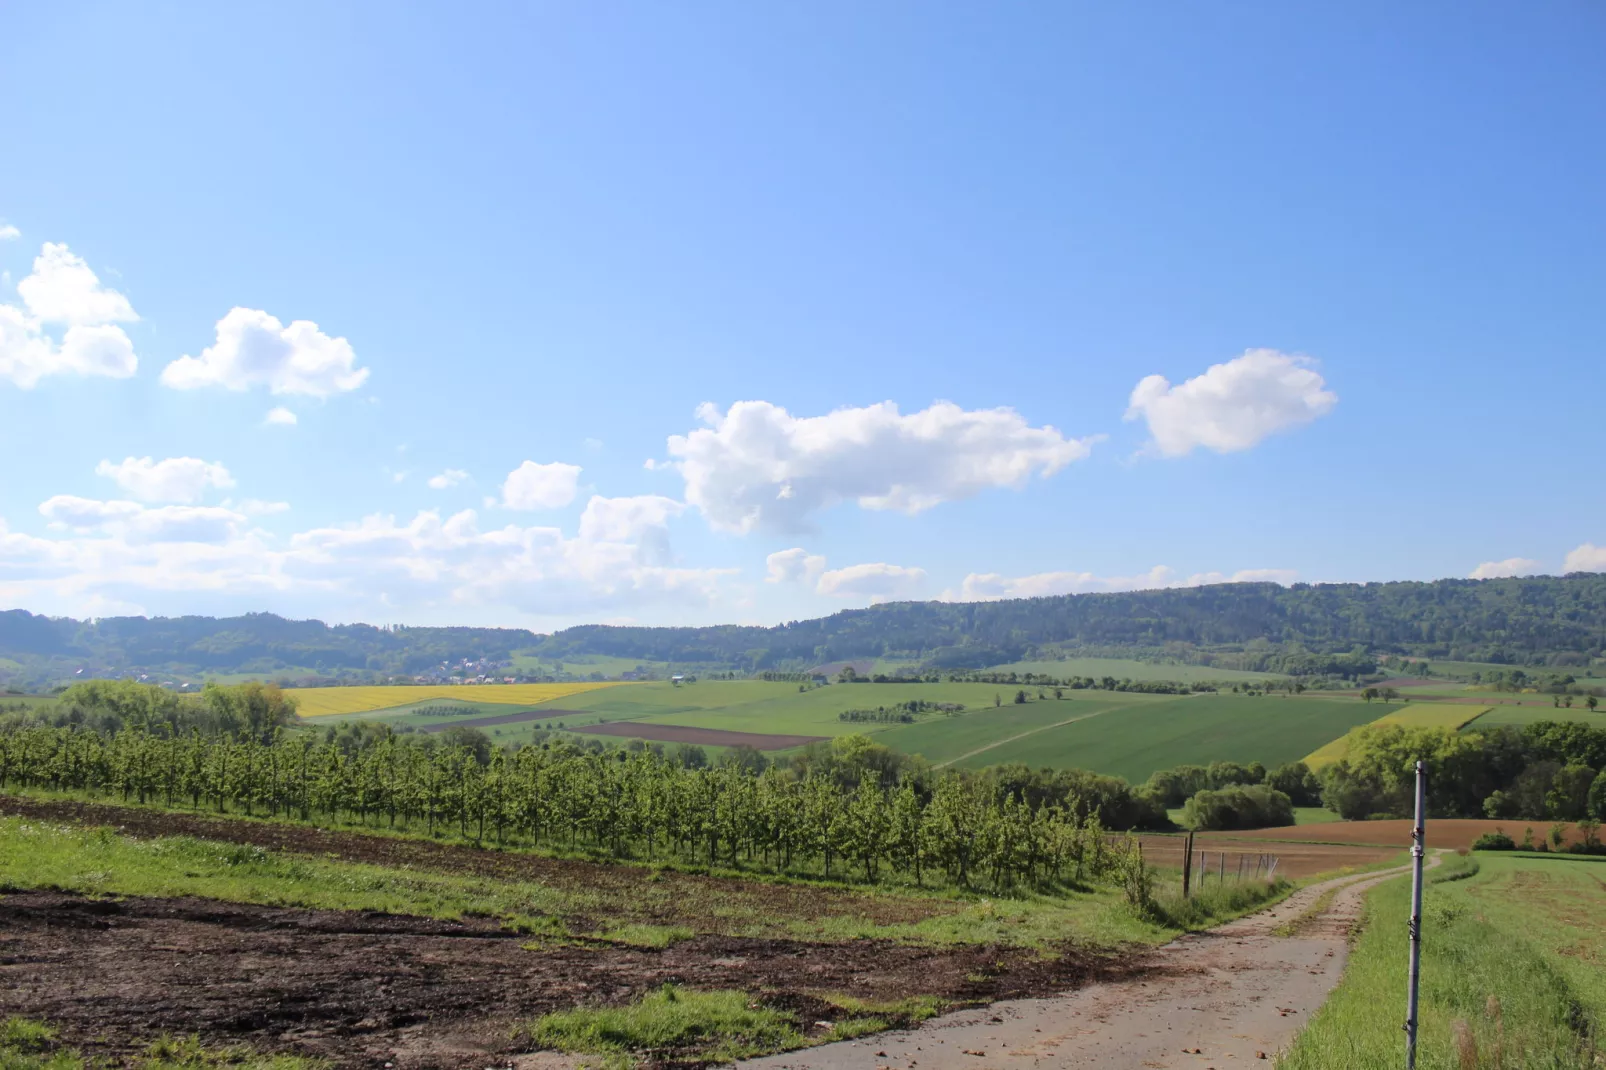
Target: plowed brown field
[1454, 833]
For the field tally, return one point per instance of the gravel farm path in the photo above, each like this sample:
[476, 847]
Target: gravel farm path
[1228, 996]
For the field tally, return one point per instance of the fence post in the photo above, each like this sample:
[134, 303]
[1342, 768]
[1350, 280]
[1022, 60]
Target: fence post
[1187, 864]
[1418, 840]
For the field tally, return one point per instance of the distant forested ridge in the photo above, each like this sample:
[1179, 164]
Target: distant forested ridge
[1299, 629]
[1515, 621]
[255, 643]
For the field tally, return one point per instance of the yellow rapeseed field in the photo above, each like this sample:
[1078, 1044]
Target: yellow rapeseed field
[1416, 715]
[327, 701]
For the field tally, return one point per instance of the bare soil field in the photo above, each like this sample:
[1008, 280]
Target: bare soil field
[501, 718]
[713, 737]
[366, 989]
[1453, 833]
[1294, 860]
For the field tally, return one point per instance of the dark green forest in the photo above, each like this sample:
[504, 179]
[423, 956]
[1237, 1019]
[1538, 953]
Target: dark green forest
[1554, 621]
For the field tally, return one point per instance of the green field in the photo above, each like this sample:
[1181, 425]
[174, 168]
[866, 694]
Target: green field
[585, 664]
[781, 709]
[14, 700]
[1451, 715]
[409, 716]
[975, 739]
[1526, 715]
[1147, 732]
[1128, 669]
[1196, 730]
[1465, 669]
[732, 705]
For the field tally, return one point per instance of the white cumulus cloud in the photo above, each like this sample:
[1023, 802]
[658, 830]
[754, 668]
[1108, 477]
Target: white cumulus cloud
[71, 511]
[1232, 406]
[176, 479]
[279, 416]
[989, 586]
[447, 479]
[8, 232]
[1511, 566]
[796, 565]
[254, 349]
[878, 581]
[540, 486]
[758, 467]
[63, 289]
[623, 519]
[257, 507]
[131, 523]
[63, 293]
[1587, 558]
[122, 556]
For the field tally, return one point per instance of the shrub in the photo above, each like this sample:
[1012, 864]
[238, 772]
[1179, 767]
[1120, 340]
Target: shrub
[1238, 807]
[1494, 841]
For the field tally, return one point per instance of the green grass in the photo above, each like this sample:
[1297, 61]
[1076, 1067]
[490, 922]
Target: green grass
[1314, 815]
[26, 1044]
[97, 861]
[643, 935]
[1129, 669]
[1566, 896]
[1194, 729]
[718, 1026]
[1505, 969]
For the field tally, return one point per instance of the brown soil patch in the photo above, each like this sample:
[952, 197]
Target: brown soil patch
[367, 989]
[713, 737]
[1294, 860]
[501, 718]
[1454, 833]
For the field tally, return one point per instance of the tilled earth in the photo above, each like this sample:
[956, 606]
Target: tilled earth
[370, 989]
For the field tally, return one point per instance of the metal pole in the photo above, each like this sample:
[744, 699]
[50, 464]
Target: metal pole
[1418, 838]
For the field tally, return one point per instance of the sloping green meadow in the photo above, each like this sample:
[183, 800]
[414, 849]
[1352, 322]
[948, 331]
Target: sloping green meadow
[1123, 733]
[1198, 729]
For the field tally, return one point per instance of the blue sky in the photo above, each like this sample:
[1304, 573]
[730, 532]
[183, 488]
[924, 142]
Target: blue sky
[733, 312]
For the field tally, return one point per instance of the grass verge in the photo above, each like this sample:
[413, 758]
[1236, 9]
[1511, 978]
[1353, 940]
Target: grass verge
[1493, 993]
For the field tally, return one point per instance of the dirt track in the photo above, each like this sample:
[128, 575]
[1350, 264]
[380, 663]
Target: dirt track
[1231, 996]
